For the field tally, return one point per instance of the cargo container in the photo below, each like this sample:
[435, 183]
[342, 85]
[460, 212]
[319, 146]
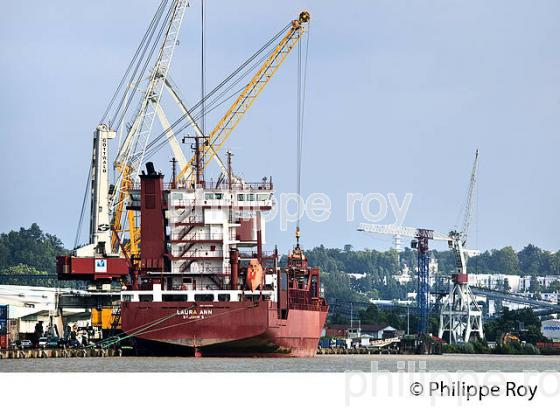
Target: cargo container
[4, 341]
[325, 343]
[4, 319]
[3, 312]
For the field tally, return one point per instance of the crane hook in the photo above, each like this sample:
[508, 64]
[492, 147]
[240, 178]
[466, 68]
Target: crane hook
[304, 16]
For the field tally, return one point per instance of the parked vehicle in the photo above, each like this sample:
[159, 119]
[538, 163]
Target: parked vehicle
[26, 344]
[73, 343]
[52, 342]
[341, 343]
[42, 342]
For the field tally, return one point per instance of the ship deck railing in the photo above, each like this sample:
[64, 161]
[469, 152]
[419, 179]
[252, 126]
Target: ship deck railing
[264, 185]
[203, 295]
[208, 270]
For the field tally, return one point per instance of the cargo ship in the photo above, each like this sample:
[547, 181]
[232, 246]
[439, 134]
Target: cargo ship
[201, 283]
[204, 282]
[189, 252]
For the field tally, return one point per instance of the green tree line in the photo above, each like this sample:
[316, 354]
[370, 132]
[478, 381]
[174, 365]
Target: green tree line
[30, 251]
[531, 260]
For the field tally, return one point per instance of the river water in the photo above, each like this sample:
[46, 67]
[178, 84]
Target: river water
[331, 363]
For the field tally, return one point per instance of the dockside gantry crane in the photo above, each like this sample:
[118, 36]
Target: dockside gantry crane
[421, 244]
[460, 314]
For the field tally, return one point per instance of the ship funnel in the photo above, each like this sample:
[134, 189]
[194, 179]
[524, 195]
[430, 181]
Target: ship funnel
[150, 168]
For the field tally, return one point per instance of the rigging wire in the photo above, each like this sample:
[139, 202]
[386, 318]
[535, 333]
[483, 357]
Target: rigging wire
[212, 105]
[138, 58]
[203, 67]
[140, 63]
[476, 219]
[123, 81]
[150, 153]
[168, 18]
[219, 86]
[301, 87]
[83, 211]
[229, 78]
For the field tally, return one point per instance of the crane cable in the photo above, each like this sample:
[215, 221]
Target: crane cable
[152, 148]
[301, 91]
[216, 89]
[211, 106]
[203, 66]
[229, 78]
[138, 58]
[141, 48]
[83, 211]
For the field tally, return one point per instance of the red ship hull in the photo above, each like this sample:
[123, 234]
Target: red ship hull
[226, 328]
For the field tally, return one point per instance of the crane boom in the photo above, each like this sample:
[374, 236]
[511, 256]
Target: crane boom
[453, 239]
[470, 200]
[245, 100]
[175, 95]
[131, 152]
[403, 231]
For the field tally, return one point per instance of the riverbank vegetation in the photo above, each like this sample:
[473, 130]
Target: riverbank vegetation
[28, 257]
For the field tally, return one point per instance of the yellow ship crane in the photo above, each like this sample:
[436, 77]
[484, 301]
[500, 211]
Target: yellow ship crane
[247, 97]
[125, 221]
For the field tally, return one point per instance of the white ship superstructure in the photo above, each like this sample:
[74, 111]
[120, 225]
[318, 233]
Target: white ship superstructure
[206, 224]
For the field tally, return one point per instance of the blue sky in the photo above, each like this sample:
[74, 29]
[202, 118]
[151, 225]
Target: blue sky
[399, 96]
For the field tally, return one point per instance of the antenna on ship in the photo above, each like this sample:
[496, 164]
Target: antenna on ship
[173, 173]
[198, 163]
[229, 169]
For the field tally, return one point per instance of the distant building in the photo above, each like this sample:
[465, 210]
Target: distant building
[544, 281]
[551, 297]
[402, 278]
[433, 266]
[30, 305]
[495, 281]
[357, 275]
[364, 331]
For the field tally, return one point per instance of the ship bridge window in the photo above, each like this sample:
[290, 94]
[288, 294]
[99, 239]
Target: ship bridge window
[213, 195]
[263, 197]
[223, 298]
[146, 298]
[250, 197]
[174, 298]
[240, 197]
[204, 297]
